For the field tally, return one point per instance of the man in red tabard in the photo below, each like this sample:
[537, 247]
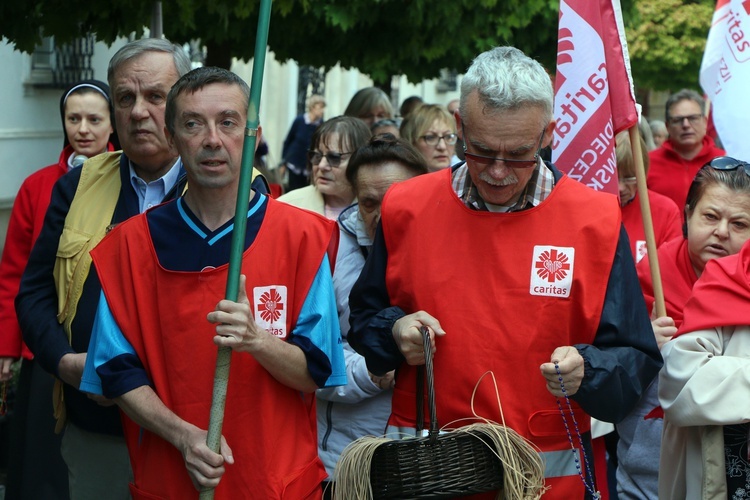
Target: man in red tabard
[162, 275]
[688, 148]
[513, 267]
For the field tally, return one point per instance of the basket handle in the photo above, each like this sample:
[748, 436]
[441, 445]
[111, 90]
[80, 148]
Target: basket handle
[434, 430]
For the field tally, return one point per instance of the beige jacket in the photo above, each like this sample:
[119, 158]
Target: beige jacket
[702, 387]
[307, 197]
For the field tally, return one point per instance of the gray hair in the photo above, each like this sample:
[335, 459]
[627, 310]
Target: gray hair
[684, 95]
[658, 126]
[507, 79]
[196, 80]
[138, 47]
[367, 99]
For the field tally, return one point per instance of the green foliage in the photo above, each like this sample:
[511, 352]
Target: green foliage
[666, 40]
[416, 38]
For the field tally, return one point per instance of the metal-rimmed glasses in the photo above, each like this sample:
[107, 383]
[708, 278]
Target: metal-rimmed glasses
[512, 163]
[333, 158]
[434, 139]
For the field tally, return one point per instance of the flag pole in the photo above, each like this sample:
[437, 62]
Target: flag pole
[224, 355]
[648, 225]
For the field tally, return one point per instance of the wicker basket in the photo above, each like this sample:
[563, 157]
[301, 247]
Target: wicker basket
[439, 465]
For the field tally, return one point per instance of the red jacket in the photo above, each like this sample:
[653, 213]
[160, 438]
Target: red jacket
[270, 427]
[670, 174]
[666, 217]
[26, 221]
[505, 302]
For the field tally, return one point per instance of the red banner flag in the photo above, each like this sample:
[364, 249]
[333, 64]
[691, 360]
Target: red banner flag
[594, 97]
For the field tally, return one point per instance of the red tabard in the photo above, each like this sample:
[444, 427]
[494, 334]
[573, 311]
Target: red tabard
[478, 273]
[270, 427]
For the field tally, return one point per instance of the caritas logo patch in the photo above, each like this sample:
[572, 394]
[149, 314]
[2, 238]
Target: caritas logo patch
[270, 309]
[640, 250]
[552, 271]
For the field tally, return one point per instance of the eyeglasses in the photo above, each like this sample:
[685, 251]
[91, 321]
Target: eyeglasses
[678, 120]
[728, 163]
[385, 122]
[333, 159]
[433, 139]
[628, 180]
[513, 163]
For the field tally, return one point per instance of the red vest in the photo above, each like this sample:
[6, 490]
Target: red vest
[508, 289]
[270, 427]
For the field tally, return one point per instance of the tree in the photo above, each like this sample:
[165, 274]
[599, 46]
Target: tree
[381, 38]
[666, 40]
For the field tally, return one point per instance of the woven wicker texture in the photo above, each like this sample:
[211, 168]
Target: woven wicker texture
[452, 465]
[440, 465]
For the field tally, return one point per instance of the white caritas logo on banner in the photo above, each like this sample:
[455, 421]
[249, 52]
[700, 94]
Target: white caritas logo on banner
[593, 92]
[271, 309]
[552, 271]
[725, 74]
[581, 89]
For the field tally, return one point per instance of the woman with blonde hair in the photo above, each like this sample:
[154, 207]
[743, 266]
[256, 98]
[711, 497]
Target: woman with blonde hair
[432, 130]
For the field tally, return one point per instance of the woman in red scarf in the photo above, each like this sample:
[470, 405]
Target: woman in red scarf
[717, 223]
[703, 385]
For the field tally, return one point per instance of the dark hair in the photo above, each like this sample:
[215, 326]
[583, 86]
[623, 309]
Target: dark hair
[684, 95]
[89, 87]
[196, 80]
[385, 148]
[736, 180]
[409, 104]
[352, 132]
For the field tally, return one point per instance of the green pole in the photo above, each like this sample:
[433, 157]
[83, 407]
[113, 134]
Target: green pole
[223, 359]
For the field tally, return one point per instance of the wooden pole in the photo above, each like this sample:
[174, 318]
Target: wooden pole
[224, 356]
[648, 225]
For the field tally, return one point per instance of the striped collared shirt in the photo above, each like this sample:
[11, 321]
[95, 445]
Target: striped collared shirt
[536, 191]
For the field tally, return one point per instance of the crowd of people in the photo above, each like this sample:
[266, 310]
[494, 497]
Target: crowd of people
[444, 218]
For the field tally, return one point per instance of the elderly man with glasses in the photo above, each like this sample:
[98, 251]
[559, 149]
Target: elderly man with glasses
[515, 269]
[686, 150]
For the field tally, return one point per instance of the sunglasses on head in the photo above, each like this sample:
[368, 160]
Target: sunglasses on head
[728, 163]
